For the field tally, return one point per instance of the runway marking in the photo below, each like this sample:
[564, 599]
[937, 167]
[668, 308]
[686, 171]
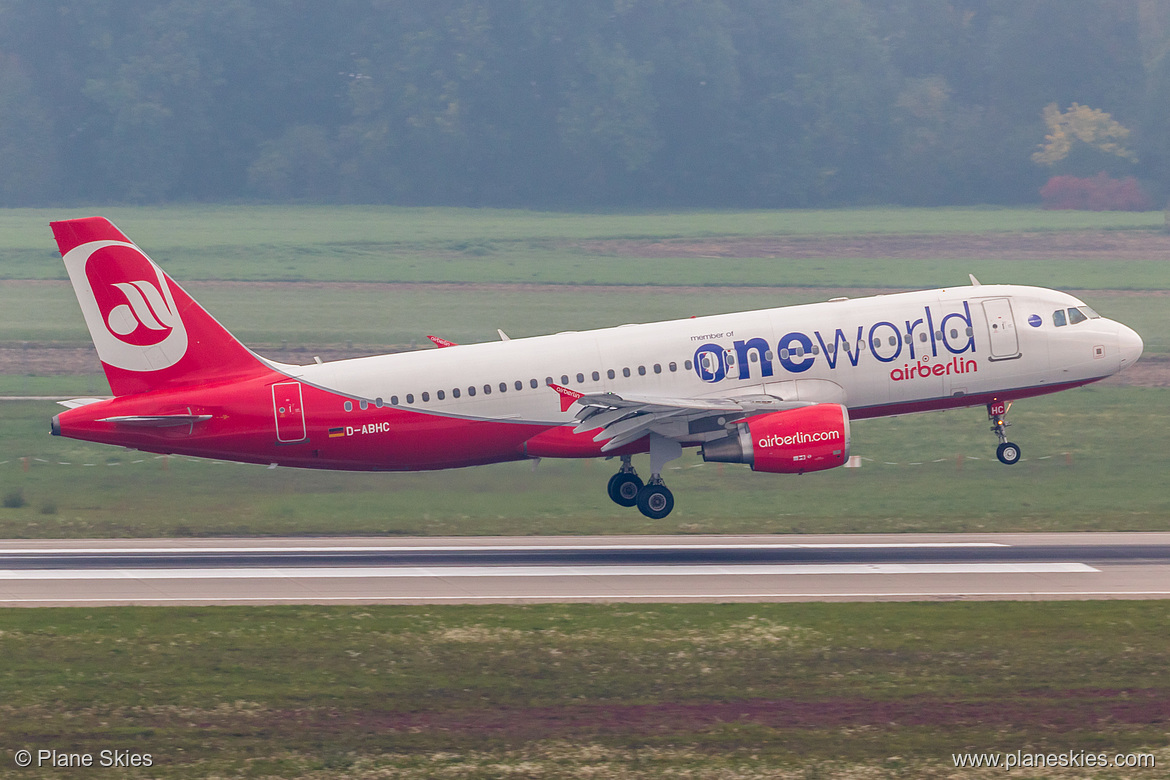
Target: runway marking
[655, 597]
[497, 548]
[542, 571]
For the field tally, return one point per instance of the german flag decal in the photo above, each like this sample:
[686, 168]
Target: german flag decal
[335, 432]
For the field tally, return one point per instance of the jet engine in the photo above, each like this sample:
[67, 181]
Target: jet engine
[811, 438]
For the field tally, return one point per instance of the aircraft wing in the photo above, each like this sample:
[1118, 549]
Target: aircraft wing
[622, 419]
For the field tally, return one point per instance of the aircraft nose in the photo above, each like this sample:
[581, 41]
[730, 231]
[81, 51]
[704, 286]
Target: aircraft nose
[1130, 345]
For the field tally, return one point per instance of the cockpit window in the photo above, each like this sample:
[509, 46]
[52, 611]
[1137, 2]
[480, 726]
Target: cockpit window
[1075, 316]
[1090, 313]
[1058, 318]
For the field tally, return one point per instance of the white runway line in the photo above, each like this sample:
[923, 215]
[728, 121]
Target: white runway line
[496, 548]
[321, 572]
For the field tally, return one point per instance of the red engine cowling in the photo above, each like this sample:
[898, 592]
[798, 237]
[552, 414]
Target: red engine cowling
[812, 438]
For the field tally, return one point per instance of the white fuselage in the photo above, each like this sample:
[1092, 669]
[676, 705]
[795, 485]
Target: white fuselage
[885, 354]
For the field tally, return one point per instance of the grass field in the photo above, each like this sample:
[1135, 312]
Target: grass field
[381, 316]
[493, 246]
[725, 691]
[1095, 459]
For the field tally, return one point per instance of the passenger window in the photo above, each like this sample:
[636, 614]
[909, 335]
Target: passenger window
[378, 402]
[564, 379]
[426, 396]
[641, 370]
[347, 406]
[394, 400]
[954, 333]
[548, 380]
[657, 368]
[441, 395]
[610, 374]
[596, 376]
[504, 387]
[1058, 318]
[363, 405]
[1075, 316]
[580, 379]
[673, 367]
[768, 356]
[534, 383]
[783, 354]
[454, 393]
[519, 385]
[922, 337]
[688, 365]
[487, 389]
[470, 391]
[626, 372]
[893, 341]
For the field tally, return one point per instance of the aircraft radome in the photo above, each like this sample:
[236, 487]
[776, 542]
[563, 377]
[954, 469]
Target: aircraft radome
[775, 389]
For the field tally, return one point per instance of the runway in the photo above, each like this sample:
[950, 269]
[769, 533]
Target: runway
[601, 569]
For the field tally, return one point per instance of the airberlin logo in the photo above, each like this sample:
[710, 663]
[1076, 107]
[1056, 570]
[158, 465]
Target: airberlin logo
[144, 319]
[128, 306]
[798, 438]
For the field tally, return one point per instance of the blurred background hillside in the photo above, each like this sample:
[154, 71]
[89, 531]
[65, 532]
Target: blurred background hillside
[595, 104]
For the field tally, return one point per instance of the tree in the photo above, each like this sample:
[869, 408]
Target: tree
[1079, 132]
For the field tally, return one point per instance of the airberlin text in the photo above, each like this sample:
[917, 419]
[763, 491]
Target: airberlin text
[912, 344]
[798, 438]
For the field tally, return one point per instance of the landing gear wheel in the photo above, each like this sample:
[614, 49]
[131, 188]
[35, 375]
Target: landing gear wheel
[624, 488]
[655, 501]
[1008, 453]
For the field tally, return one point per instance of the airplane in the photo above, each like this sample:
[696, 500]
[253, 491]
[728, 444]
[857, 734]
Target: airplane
[775, 389]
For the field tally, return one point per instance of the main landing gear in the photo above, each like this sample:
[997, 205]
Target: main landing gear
[654, 498]
[1007, 452]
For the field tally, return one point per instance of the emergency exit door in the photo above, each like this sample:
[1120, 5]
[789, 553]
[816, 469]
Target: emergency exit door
[290, 415]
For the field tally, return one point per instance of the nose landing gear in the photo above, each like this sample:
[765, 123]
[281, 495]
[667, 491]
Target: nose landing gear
[1007, 452]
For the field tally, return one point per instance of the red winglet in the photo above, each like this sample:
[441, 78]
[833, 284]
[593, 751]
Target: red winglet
[568, 397]
[440, 343]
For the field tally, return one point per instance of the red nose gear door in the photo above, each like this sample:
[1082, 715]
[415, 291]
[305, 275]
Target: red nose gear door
[290, 414]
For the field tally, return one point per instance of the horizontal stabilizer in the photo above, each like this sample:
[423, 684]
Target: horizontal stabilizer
[73, 403]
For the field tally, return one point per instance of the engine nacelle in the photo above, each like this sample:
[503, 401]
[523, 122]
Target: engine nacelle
[812, 438]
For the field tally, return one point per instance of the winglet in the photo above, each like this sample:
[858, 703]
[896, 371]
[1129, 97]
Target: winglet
[974, 281]
[440, 343]
[568, 397]
[503, 336]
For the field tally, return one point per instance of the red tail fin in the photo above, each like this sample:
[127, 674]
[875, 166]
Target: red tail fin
[149, 333]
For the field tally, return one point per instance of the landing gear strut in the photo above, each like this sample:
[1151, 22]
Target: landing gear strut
[1007, 452]
[653, 499]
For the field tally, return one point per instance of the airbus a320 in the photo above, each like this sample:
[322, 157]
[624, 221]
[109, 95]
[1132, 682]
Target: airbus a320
[775, 389]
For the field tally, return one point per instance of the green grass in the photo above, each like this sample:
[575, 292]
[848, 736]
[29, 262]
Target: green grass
[499, 246]
[376, 317]
[813, 690]
[1095, 459]
[181, 226]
